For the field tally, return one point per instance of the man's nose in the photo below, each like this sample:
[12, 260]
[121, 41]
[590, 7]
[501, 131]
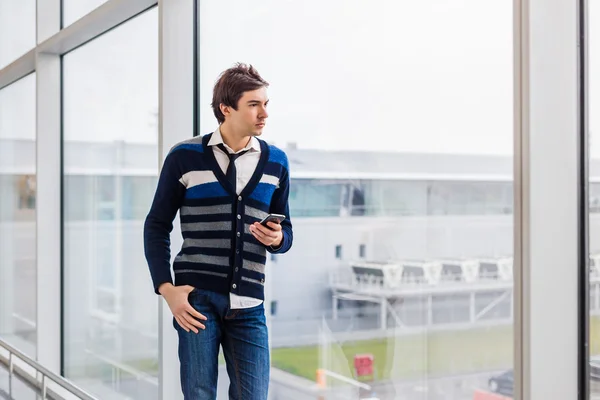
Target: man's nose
[264, 113]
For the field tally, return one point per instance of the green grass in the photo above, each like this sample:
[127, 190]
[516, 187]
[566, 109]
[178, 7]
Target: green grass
[411, 356]
[595, 335]
[433, 354]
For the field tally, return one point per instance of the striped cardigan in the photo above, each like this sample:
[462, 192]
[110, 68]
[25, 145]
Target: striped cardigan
[219, 253]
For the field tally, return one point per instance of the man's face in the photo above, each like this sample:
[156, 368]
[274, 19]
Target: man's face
[251, 114]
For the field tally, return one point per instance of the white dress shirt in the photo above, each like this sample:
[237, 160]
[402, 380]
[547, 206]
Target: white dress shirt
[245, 166]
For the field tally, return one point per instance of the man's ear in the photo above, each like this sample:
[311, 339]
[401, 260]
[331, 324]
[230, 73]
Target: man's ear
[225, 109]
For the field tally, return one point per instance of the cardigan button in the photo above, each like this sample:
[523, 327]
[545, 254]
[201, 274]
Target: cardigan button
[240, 198]
[239, 216]
[234, 286]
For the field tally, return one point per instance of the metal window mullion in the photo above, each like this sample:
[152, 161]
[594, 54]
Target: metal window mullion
[176, 123]
[99, 21]
[548, 231]
[48, 212]
[18, 69]
[49, 187]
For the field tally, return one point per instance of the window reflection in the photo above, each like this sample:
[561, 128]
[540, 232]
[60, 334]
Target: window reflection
[399, 140]
[17, 29]
[110, 88]
[18, 214]
[75, 9]
[330, 197]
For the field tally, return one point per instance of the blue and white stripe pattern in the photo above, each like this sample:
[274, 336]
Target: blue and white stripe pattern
[218, 253]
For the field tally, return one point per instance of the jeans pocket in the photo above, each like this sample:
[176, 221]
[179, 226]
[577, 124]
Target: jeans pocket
[193, 293]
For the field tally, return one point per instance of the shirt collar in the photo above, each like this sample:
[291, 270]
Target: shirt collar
[217, 139]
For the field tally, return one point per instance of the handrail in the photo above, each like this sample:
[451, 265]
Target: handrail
[321, 373]
[125, 368]
[46, 374]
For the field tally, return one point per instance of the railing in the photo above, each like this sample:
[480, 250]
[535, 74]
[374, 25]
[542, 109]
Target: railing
[321, 381]
[46, 375]
[119, 368]
[345, 276]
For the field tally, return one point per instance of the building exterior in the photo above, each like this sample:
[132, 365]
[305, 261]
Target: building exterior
[393, 209]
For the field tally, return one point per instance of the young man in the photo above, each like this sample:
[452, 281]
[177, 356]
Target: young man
[222, 184]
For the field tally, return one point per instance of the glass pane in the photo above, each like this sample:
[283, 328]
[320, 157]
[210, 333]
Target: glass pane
[18, 389]
[75, 9]
[17, 29]
[17, 214]
[397, 119]
[594, 196]
[110, 148]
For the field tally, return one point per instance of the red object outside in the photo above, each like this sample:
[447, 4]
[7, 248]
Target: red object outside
[483, 395]
[364, 365]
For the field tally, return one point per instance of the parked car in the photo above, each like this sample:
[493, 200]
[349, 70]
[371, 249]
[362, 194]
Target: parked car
[595, 368]
[503, 383]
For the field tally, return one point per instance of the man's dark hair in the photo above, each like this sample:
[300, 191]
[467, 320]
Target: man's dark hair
[232, 84]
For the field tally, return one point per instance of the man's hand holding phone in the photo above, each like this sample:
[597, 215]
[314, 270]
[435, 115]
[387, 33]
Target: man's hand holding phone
[268, 231]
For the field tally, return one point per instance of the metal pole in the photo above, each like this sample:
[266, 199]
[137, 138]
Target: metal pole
[335, 307]
[46, 374]
[43, 387]
[472, 316]
[383, 313]
[10, 372]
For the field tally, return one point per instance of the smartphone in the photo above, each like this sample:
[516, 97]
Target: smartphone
[272, 217]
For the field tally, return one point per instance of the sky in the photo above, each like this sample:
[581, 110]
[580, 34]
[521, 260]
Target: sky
[377, 75]
[371, 75]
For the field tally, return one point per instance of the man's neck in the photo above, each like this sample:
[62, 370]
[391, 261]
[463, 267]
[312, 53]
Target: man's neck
[235, 142]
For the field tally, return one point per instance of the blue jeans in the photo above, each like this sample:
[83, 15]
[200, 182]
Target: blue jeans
[244, 338]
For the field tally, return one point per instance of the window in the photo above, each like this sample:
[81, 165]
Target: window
[18, 214]
[274, 308]
[362, 251]
[594, 195]
[75, 9]
[383, 197]
[110, 144]
[17, 29]
[315, 198]
[469, 198]
[397, 118]
[338, 252]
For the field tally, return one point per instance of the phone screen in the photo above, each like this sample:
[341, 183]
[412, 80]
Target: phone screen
[272, 217]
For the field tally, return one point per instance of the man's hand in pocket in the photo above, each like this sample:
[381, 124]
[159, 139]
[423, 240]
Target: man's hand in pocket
[177, 299]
